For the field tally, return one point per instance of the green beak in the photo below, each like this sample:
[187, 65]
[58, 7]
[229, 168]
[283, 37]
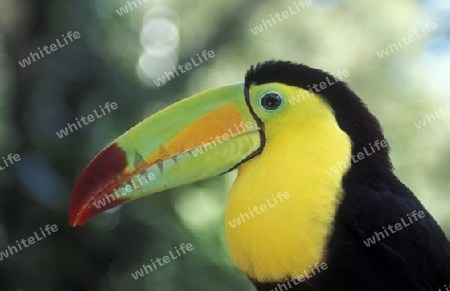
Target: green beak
[200, 137]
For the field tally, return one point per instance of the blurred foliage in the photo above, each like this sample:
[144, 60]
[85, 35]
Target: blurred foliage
[115, 60]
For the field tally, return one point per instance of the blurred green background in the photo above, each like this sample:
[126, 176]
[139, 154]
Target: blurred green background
[117, 59]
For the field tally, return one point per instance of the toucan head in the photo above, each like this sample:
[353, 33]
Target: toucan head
[282, 129]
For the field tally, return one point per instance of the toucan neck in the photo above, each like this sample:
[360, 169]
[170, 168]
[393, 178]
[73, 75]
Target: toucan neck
[272, 235]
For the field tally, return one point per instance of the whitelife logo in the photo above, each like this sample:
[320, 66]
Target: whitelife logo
[432, 118]
[86, 120]
[316, 88]
[34, 56]
[130, 186]
[222, 138]
[11, 250]
[358, 157]
[162, 261]
[301, 5]
[124, 9]
[406, 40]
[313, 271]
[263, 207]
[206, 55]
[11, 159]
[398, 226]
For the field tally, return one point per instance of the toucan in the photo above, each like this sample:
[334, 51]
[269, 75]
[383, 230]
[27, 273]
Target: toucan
[315, 204]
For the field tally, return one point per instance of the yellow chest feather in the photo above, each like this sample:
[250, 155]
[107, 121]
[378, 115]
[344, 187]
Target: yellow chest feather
[285, 202]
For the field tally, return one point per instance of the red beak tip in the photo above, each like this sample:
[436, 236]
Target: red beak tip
[109, 164]
[77, 215]
[73, 221]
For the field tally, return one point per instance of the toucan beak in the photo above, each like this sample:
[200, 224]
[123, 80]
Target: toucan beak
[200, 137]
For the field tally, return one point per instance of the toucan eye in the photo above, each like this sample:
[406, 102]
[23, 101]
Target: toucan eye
[271, 101]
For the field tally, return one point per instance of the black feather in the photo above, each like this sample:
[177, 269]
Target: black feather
[415, 258]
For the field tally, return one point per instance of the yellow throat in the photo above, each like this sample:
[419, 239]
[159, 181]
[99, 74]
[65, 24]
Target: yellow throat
[272, 236]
